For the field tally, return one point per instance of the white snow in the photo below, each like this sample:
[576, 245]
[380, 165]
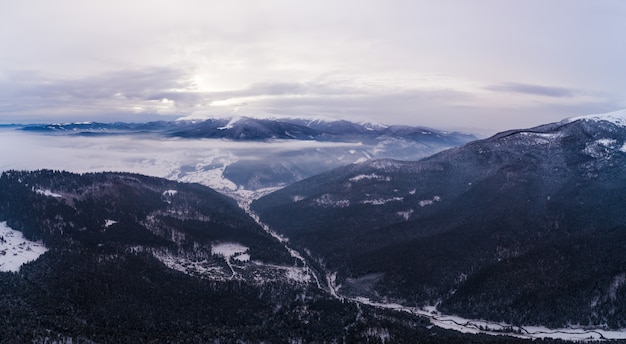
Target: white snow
[541, 138]
[426, 202]
[48, 193]
[405, 214]
[170, 192]
[598, 149]
[228, 250]
[623, 148]
[15, 250]
[326, 200]
[498, 328]
[202, 267]
[382, 201]
[197, 161]
[616, 117]
[109, 223]
[230, 124]
[297, 274]
[606, 142]
[298, 198]
[242, 257]
[370, 176]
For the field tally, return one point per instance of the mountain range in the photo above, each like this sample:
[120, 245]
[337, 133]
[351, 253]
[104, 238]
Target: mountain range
[256, 129]
[524, 230]
[526, 227]
[130, 258]
[310, 146]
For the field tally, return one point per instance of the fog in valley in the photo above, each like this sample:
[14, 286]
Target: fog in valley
[200, 160]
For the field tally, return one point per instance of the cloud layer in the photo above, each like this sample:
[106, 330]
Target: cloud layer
[443, 64]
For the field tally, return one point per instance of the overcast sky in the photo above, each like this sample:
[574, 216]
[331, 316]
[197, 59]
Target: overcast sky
[492, 64]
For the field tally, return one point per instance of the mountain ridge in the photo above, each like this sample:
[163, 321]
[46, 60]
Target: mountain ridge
[248, 128]
[429, 229]
[110, 272]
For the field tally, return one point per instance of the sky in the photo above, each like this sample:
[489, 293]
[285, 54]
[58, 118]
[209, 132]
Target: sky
[482, 65]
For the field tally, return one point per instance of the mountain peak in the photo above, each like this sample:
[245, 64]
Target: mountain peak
[616, 117]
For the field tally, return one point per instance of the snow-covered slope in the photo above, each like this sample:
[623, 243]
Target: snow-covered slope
[493, 229]
[15, 250]
[615, 117]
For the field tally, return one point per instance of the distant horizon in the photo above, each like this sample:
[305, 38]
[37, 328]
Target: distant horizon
[479, 132]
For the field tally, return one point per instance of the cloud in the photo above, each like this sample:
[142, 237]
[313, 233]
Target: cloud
[25, 95]
[546, 91]
[171, 92]
[75, 60]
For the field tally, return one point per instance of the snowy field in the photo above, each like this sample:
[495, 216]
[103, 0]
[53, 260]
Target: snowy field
[231, 251]
[15, 250]
[497, 328]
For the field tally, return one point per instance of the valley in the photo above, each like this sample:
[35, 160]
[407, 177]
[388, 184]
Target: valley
[519, 235]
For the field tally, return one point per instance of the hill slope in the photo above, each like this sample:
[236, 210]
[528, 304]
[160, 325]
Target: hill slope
[527, 226]
[145, 260]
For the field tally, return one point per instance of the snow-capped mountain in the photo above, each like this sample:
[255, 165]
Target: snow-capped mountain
[254, 129]
[525, 227]
[283, 151]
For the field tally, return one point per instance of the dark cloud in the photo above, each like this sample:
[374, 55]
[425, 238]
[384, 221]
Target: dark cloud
[546, 91]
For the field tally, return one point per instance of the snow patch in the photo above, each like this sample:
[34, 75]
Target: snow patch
[405, 214]
[230, 124]
[326, 200]
[228, 250]
[297, 198]
[198, 267]
[426, 202]
[48, 193]
[382, 201]
[297, 274]
[15, 250]
[616, 117]
[109, 223]
[243, 257]
[540, 138]
[599, 149]
[498, 328]
[606, 142]
[170, 192]
[373, 176]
